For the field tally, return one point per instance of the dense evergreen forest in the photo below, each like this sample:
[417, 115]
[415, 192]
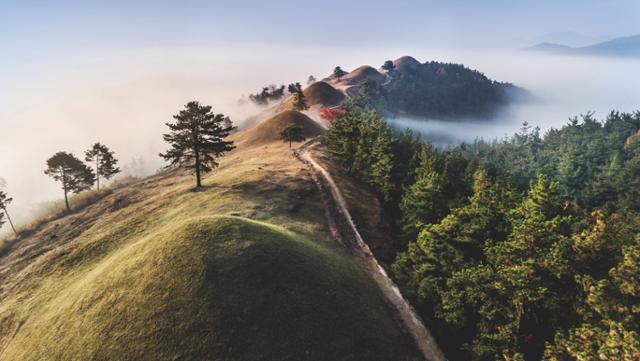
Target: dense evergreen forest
[524, 248]
[444, 90]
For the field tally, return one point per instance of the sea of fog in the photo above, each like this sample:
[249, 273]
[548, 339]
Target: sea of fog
[564, 87]
[122, 98]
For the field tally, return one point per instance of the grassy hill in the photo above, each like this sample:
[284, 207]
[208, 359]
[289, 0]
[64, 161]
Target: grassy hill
[268, 131]
[245, 269]
[319, 93]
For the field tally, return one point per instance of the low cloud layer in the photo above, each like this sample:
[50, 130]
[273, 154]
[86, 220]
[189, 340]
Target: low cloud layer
[565, 86]
[123, 99]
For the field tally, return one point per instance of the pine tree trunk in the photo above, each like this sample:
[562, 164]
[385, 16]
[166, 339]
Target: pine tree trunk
[198, 182]
[10, 222]
[97, 173]
[66, 200]
[196, 153]
[64, 189]
[289, 142]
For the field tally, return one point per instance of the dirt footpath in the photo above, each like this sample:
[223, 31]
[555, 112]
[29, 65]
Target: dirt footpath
[345, 232]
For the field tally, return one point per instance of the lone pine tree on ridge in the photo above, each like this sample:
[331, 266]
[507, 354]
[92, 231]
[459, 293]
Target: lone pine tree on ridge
[292, 133]
[197, 139]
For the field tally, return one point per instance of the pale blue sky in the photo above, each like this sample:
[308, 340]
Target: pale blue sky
[62, 24]
[32, 32]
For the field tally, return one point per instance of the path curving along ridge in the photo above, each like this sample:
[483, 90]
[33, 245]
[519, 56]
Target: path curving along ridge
[345, 232]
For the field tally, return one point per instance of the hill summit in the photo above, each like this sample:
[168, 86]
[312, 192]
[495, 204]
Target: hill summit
[431, 89]
[209, 289]
[246, 268]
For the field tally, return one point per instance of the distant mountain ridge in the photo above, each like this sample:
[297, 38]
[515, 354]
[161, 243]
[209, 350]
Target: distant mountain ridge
[429, 90]
[628, 46]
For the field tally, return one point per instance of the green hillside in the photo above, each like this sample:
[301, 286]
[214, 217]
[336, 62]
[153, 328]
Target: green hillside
[244, 269]
[213, 288]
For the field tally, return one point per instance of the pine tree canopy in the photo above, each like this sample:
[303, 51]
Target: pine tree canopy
[523, 249]
[104, 161]
[292, 133]
[197, 138]
[4, 202]
[388, 65]
[74, 175]
[299, 100]
[71, 172]
[338, 72]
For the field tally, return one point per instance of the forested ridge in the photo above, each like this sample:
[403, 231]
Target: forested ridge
[436, 89]
[524, 248]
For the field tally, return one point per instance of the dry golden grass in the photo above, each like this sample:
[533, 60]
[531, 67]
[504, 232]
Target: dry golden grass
[244, 269]
[268, 131]
[323, 93]
[319, 93]
[361, 74]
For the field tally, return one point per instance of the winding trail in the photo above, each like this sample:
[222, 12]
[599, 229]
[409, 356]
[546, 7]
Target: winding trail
[345, 232]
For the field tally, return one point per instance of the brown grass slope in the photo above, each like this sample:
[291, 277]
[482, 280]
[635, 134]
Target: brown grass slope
[245, 269]
[269, 130]
[406, 62]
[319, 93]
[361, 74]
[323, 93]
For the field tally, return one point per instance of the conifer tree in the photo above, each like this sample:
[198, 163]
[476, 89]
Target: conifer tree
[104, 162]
[424, 201]
[197, 139]
[342, 138]
[4, 202]
[380, 167]
[299, 100]
[338, 72]
[611, 323]
[388, 66]
[292, 133]
[422, 204]
[74, 175]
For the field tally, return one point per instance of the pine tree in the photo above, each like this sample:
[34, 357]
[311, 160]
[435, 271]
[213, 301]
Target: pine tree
[197, 139]
[388, 66]
[424, 201]
[299, 100]
[4, 202]
[481, 279]
[342, 137]
[370, 96]
[338, 72]
[610, 327]
[74, 175]
[104, 162]
[311, 79]
[382, 162]
[526, 277]
[292, 133]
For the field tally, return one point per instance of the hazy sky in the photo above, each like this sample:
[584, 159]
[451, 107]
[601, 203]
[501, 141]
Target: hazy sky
[52, 26]
[76, 72]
